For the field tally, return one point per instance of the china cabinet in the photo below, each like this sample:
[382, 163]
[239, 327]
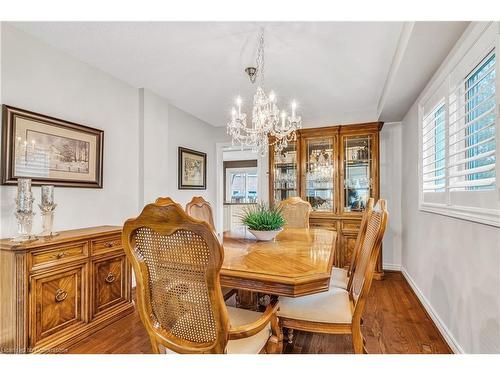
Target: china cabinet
[336, 169]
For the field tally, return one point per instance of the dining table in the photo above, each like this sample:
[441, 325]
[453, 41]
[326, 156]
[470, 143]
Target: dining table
[297, 262]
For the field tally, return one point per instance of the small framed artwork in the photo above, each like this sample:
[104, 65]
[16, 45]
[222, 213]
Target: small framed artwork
[192, 169]
[49, 150]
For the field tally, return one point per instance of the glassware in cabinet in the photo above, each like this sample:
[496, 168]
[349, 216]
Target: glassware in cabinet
[319, 180]
[357, 172]
[285, 182]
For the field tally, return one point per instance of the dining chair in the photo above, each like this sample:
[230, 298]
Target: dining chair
[338, 311]
[177, 260]
[341, 277]
[200, 209]
[296, 212]
[163, 201]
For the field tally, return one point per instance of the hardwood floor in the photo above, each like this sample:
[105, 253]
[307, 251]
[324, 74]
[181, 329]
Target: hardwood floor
[394, 322]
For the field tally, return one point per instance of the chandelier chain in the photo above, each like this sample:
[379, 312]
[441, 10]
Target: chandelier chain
[260, 61]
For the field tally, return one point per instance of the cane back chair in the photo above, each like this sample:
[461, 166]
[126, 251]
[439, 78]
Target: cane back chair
[200, 209]
[176, 261]
[339, 311]
[341, 277]
[296, 212]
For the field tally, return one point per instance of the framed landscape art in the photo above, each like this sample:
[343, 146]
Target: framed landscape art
[192, 169]
[49, 150]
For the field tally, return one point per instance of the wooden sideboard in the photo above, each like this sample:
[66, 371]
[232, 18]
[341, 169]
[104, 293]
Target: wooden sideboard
[56, 291]
[335, 168]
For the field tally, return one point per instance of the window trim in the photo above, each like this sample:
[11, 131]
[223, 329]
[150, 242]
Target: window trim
[486, 42]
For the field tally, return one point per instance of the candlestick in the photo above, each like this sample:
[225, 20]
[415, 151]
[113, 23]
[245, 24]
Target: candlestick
[294, 105]
[24, 184]
[47, 195]
[238, 102]
[24, 210]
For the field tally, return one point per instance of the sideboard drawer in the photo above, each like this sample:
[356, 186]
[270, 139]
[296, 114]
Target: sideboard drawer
[106, 244]
[58, 255]
[109, 283]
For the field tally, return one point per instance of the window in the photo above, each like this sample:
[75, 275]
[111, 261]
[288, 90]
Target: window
[241, 185]
[459, 140]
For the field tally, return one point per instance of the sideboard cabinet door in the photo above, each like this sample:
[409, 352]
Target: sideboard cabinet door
[109, 283]
[57, 302]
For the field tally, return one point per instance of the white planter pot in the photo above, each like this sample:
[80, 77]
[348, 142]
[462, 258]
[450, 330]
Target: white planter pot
[265, 235]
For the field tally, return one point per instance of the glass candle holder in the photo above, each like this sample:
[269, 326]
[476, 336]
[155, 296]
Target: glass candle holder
[24, 226]
[47, 223]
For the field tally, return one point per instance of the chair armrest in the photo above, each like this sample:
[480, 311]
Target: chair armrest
[250, 329]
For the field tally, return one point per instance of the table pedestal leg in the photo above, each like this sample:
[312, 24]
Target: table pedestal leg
[246, 299]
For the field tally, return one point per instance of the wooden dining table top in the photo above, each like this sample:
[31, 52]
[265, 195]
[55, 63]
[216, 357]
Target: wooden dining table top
[297, 262]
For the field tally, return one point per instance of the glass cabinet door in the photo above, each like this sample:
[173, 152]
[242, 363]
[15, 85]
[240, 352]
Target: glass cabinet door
[357, 172]
[319, 181]
[285, 173]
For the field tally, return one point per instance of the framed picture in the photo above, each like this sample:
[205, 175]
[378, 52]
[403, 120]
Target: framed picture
[192, 169]
[49, 150]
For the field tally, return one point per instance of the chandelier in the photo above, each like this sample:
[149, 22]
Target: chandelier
[269, 126]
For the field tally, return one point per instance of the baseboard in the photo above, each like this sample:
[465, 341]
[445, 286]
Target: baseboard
[391, 267]
[447, 336]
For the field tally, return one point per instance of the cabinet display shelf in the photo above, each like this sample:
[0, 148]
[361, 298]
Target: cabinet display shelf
[358, 162]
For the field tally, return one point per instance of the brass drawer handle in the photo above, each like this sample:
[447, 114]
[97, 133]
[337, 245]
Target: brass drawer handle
[111, 243]
[60, 255]
[110, 278]
[61, 295]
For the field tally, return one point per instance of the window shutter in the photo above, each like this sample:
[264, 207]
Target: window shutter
[434, 150]
[471, 133]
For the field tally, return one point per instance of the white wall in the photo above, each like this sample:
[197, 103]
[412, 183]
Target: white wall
[154, 174]
[141, 134]
[453, 264]
[42, 79]
[190, 132]
[390, 189]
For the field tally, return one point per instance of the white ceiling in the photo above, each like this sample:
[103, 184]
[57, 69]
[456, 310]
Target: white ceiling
[337, 71]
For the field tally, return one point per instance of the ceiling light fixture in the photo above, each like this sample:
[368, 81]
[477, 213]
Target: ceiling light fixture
[267, 121]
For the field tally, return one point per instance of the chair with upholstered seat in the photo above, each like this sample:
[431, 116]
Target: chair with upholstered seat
[163, 201]
[177, 261]
[339, 311]
[341, 277]
[200, 209]
[296, 212]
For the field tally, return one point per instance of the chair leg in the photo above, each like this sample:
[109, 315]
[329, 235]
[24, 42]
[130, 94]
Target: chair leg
[357, 338]
[154, 346]
[275, 342]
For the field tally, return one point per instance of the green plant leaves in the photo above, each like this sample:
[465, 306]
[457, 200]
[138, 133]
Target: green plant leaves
[262, 217]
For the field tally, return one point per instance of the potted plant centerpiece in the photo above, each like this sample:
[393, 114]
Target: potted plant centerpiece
[263, 222]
